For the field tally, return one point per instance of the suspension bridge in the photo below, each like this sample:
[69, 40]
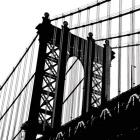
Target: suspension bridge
[62, 86]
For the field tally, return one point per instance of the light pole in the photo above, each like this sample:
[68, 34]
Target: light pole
[132, 66]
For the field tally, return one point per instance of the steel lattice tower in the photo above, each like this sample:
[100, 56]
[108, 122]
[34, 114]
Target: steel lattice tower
[56, 47]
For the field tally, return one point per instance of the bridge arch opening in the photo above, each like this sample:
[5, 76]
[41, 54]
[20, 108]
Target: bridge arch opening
[73, 90]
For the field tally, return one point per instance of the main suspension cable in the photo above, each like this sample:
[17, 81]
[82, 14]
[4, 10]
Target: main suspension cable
[16, 98]
[19, 62]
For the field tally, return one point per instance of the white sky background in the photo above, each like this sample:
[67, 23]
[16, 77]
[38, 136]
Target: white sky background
[18, 20]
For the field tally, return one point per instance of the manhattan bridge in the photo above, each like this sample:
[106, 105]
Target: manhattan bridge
[61, 87]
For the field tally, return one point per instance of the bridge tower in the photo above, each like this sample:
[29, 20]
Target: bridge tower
[56, 47]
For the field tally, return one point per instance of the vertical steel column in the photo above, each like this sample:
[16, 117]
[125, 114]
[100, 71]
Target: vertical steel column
[106, 73]
[91, 52]
[88, 64]
[44, 33]
[57, 111]
[85, 65]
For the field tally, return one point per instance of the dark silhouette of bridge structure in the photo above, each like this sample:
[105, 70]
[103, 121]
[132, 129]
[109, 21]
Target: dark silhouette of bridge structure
[60, 88]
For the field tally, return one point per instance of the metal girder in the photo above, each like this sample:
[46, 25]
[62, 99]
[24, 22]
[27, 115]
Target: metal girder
[53, 59]
[96, 84]
[48, 86]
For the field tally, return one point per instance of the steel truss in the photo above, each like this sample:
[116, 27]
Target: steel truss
[49, 83]
[96, 84]
[56, 47]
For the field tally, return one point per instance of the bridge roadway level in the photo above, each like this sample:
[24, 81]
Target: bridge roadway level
[119, 119]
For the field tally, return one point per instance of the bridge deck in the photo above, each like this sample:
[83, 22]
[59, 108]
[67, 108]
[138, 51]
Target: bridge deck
[118, 120]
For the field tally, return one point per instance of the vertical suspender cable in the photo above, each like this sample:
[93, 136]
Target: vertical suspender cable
[137, 64]
[15, 91]
[63, 19]
[60, 44]
[108, 21]
[74, 71]
[132, 41]
[67, 105]
[26, 94]
[78, 94]
[82, 55]
[72, 74]
[138, 61]
[3, 98]
[19, 100]
[4, 91]
[99, 25]
[87, 21]
[18, 62]
[72, 96]
[119, 49]
[71, 81]
[97, 19]
[7, 101]
[11, 113]
[27, 97]
[28, 90]
[100, 31]
[128, 63]
[108, 29]
[8, 123]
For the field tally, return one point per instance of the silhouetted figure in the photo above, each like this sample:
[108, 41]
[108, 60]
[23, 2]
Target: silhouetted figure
[44, 29]
[46, 19]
